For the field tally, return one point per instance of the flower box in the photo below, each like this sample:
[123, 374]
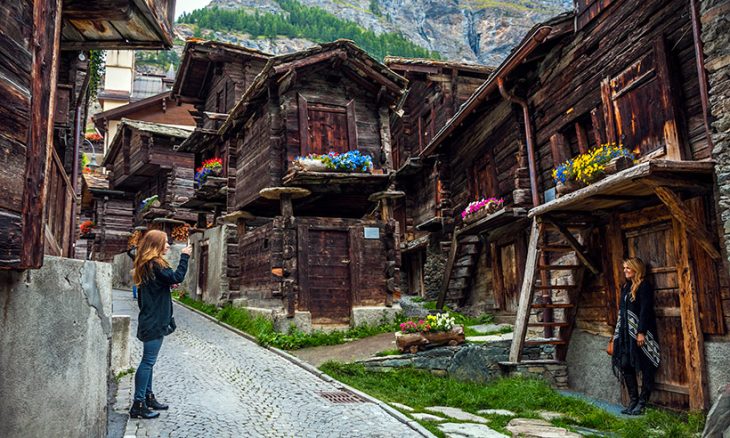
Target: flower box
[617, 165]
[412, 342]
[311, 165]
[479, 209]
[563, 188]
[592, 166]
[351, 161]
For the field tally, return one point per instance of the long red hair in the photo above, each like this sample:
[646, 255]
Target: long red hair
[149, 254]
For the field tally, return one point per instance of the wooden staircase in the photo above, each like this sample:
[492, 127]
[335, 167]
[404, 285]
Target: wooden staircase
[460, 267]
[556, 262]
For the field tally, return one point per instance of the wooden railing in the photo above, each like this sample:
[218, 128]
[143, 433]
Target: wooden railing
[59, 211]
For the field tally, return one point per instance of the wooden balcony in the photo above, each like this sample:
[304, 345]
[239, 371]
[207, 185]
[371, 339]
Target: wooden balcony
[117, 24]
[59, 212]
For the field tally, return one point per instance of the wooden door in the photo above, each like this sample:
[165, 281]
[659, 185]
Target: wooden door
[203, 270]
[654, 244]
[327, 271]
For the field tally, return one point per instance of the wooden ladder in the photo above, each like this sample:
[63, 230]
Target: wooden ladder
[538, 275]
[462, 261]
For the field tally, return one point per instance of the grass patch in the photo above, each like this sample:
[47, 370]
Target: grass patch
[460, 318]
[263, 329]
[123, 373]
[419, 389]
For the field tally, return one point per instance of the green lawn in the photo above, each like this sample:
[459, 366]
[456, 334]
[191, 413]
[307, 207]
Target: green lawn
[263, 329]
[419, 389]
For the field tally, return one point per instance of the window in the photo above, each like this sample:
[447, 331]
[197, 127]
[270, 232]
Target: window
[483, 179]
[626, 97]
[326, 128]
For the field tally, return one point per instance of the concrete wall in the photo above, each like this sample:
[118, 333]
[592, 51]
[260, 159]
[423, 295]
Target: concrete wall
[122, 265]
[717, 357]
[55, 334]
[589, 367]
[217, 282]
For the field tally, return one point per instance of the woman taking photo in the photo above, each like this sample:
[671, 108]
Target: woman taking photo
[634, 344]
[153, 277]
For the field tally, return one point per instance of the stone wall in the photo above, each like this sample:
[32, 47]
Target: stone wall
[589, 367]
[55, 335]
[433, 269]
[716, 39]
[477, 363]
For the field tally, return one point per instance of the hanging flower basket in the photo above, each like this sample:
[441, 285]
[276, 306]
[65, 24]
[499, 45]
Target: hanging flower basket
[352, 161]
[479, 209]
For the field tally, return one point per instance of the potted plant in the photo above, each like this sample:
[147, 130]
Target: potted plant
[147, 203]
[351, 161]
[86, 228]
[213, 166]
[439, 329]
[479, 209]
[590, 167]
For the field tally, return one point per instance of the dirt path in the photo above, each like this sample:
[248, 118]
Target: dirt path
[349, 352]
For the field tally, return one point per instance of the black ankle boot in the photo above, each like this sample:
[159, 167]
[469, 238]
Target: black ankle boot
[140, 410]
[152, 403]
[638, 409]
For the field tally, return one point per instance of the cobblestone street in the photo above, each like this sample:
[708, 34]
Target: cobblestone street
[219, 384]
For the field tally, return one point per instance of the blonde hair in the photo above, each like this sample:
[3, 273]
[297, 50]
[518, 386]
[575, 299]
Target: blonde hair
[149, 253]
[639, 267]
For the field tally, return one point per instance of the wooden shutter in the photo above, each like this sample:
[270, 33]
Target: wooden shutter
[326, 128]
[484, 184]
[639, 100]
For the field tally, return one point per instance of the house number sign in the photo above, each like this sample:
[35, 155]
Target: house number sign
[372, 232]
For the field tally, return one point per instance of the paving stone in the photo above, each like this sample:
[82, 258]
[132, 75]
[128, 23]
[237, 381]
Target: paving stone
[401, 407]
[497, 412]
[219, 384]
[457, 414]
[531, 428]
[468, 430]
[427, 417]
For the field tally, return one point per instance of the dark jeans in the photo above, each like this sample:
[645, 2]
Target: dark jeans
[143, 376]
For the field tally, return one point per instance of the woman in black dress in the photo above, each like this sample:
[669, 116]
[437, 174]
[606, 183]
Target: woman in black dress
[635, 346]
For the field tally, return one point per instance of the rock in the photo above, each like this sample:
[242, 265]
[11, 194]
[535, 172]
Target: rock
[468, 430]
[412, 309]
[549, 416]
[489, 328]
[491, 338]
[477, 363]
[457, 414]
[718, 419]
[530, 428]
[427, 417]
[401, 407]
[497, 412]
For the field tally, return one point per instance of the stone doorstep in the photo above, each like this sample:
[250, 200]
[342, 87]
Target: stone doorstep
[531, 428]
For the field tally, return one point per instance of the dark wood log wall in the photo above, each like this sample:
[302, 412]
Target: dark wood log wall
[568, 86]
[254, 158]
[114, 220]
[28, 69]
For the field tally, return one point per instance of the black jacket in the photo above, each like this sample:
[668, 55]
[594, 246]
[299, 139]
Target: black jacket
[155, 301]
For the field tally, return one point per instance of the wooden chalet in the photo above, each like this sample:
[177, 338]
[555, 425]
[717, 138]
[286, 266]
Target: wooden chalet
[213, 76]
[142, 159]
[111, 212]
[436, 90]
[45, 82]
[332, 255]
[610, 72]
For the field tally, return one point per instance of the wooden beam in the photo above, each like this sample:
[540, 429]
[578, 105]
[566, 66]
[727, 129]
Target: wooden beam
[579, 249]
[692, 330]
[528, 281]
[46, 38]
[447, 272]
[309, 60]
[679, 212]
